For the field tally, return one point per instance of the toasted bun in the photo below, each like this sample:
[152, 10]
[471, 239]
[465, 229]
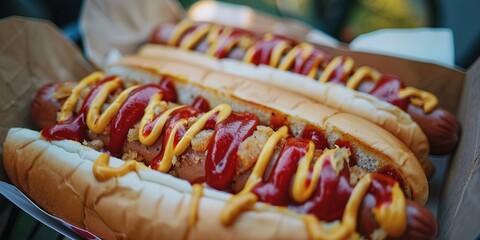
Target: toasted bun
[388, 116]
[377, 147]
[140, 205]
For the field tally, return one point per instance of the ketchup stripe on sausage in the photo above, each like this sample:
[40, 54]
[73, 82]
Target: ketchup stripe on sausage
[128, 115]
[74, 128]
[221, 159]
[257, 50]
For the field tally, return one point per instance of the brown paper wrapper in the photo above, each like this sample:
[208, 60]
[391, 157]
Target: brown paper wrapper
[459, 209]
[33, 53]
[123, 24]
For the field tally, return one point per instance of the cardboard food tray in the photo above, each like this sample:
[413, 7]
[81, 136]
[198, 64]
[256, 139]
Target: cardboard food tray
[34, 53]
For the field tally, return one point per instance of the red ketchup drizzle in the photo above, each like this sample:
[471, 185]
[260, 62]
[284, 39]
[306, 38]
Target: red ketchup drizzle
[74, 128]
[387, 89]
[131, 112]
[221, 160]
[263, 51]
[189, 31]
[223, 40]
[184, 35]
[393, 173]
[330, 196]
[182, 113]
[352, 159]
[381, 188]
[339, 75]
[303, 66]
[277, 187]
[201, 104]
[222, 51]
[71, 129]
[316, 135]
[210, 124]
[169, 92]
[378, 193]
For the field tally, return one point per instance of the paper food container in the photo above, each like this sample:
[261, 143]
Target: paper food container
[35, 52]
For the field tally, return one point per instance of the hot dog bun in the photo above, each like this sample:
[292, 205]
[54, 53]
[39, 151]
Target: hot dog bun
[144, 205]
[140, 205]
[381, 113]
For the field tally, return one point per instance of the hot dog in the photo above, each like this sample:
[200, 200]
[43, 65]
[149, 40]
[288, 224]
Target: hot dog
[440, 126]
[324, 166]
[333, 95]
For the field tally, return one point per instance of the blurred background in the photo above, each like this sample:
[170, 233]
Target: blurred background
[341, 19]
